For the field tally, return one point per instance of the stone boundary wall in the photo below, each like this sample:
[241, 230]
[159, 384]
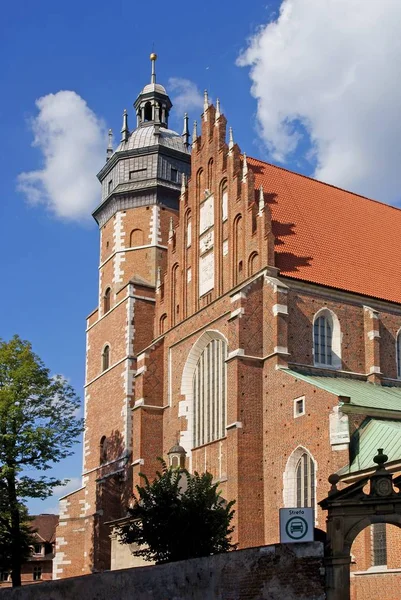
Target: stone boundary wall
[277, 572]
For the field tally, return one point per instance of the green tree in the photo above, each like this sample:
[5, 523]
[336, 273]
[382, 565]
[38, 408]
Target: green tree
[38, 427]
[26, 533]
[178, 516]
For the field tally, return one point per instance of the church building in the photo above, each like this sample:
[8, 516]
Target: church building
[249, 315]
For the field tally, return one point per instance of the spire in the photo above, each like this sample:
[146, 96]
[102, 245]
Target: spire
[195, 133]
[110, 146]
[205, 104]
[183, 184]
[153, 104]
[218, 113]
[261, 200]
[244, 168]
[185, 131]
[153, 58]
[125, 130]
[230, 139]
[171, 230]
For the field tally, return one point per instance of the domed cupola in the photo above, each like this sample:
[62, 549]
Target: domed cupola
[147, 166]
[153, 104]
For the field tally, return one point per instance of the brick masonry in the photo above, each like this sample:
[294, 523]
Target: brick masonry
[152, 259]
[267, 573]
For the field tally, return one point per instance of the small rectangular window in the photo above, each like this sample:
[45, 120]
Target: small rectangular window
[37, 573]
[174, 175]
[138, 173]
[299, 406]
[110, 186]
[37, 549]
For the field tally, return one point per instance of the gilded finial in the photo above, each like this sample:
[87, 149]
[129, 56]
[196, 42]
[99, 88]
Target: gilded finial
[153, 58]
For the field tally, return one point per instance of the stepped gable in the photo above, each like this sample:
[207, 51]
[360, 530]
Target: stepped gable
[332, 237]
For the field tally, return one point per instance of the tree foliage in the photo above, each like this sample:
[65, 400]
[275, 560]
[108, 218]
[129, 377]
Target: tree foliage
[38, 428]
[178, 516]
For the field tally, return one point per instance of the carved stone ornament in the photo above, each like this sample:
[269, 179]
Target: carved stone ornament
[383, 487]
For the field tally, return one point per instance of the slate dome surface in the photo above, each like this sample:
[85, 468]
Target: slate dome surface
[143, 137]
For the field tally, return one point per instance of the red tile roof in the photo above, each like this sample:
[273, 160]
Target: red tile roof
[332, 237]
[45, 524]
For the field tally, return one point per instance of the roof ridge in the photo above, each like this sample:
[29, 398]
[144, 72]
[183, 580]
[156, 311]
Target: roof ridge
[336, 187]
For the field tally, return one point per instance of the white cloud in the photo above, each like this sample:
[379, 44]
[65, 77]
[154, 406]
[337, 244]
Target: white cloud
[72, 141]
[62, 490]
[332, 67]
[185, 95]
[50, 505]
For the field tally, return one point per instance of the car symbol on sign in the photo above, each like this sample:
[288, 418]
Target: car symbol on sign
[296, 527]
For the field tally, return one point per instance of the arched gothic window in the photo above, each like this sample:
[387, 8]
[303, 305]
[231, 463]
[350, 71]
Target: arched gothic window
[103, 450]
[327, 339]
[162, 324]
[106, 358]
[148, 112]
[300, 479]
[224, 200]
[106, 301]
[209, 393]
[210, 174]
[305, 478]
[398, 352]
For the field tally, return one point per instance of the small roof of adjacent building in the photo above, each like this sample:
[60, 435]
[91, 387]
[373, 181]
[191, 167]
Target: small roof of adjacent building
[371, 435]
[332, 237]
[362, 394]
[45, 524]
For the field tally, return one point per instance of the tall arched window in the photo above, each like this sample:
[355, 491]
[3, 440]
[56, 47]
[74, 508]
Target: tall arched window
[175, 307]
[209, 393]
[210, 174]
[106, 301]
[253, 263]
[106, 358]
[238, 240]
[162, 324]
[326, 339]
[224, 200]
[300, 479]
[148, 112]
[305, 477]
[398, 353]
[103, 450]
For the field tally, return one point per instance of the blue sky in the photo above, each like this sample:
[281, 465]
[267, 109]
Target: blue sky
[314, 88]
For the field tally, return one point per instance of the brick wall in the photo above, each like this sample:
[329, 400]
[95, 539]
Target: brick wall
[290, 572]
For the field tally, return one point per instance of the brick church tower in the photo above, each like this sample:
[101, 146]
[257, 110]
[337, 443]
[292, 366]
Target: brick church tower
[251, 314]
[140, 183]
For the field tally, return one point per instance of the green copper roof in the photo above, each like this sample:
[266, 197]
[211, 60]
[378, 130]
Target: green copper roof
[361, 393]
[371, 435]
